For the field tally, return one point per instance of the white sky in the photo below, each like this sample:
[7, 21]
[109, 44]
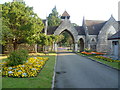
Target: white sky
[90, 9]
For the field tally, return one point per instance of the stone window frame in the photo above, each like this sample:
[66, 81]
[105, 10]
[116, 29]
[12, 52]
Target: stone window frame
[91, 40]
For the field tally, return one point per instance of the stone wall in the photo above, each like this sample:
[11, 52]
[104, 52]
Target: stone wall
[67, 25]
[110, 28]
[9, 47]
[92, 42]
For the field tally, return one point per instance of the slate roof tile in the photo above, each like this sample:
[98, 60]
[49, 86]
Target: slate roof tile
[80, 30]
[51, 29]
[94, 26]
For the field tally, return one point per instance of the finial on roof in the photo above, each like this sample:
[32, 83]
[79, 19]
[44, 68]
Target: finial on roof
[111, 15]
[55, 6]
[83, 17]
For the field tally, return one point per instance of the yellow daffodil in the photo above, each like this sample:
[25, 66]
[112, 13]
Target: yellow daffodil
[29, 69]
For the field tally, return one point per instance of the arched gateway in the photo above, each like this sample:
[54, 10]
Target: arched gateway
[91, 35]
[66, 25]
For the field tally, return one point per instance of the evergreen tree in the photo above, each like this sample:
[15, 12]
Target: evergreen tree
[53, 18]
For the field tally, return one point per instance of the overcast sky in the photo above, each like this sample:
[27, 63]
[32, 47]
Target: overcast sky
[90, 9]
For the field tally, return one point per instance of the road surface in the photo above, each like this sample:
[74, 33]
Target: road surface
[74, 71]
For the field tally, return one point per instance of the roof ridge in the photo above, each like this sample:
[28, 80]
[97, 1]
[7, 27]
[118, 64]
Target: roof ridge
[94, 20]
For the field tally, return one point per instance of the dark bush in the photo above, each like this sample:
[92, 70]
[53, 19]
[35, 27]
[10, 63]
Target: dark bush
[17, 57]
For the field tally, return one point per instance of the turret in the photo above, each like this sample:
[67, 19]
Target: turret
[83, 23]
[65, 15]
[85, 26]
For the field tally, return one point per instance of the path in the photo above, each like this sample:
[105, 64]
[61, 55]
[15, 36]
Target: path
[74, 71]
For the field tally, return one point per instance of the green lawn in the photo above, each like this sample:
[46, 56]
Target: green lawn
[43, 80]
[112, 64]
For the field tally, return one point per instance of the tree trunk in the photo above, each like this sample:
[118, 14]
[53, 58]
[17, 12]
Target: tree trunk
[70, 46]
[1, 49]
[52, 46]
[43, 48]
[36, 48]
[15, 46]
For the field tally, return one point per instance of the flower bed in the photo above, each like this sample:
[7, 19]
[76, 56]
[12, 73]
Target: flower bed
[30, 68]
[106, 59]
[92, 53]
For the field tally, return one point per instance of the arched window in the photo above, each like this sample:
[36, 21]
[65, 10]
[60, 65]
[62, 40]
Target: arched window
[93, 40]
[111, 31]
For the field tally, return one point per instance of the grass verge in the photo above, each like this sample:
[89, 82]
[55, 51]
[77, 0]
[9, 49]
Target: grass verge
[43, 80]
[111, 64]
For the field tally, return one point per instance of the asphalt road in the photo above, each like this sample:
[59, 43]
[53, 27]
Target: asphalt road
[74, 71]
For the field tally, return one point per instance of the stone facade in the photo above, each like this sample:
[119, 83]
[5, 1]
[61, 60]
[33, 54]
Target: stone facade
[93, 34]
[115, 39]
[66, 25]
[107, 30]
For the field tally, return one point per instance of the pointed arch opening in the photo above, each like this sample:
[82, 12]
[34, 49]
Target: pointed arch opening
[67, 44]
[81, 44]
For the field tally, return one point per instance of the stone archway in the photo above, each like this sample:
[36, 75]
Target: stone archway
[74, 43]
[67, 25]
[69, 39]
[81, 44]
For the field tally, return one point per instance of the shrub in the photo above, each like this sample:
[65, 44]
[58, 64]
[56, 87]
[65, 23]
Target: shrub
[87, 50]
[17, 57]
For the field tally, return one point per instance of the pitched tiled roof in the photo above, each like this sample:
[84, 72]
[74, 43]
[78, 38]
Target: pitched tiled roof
[94, 26]
[65, 14]
[80, 30]
[51, 29]
[93, 22]
[115, 36]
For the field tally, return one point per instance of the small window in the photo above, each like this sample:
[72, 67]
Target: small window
[93, 40]
[115, 42]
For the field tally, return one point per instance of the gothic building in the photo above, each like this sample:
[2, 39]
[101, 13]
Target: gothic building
[93, 34]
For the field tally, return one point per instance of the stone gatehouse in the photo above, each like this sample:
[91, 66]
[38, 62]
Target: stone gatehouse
[93, 34]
